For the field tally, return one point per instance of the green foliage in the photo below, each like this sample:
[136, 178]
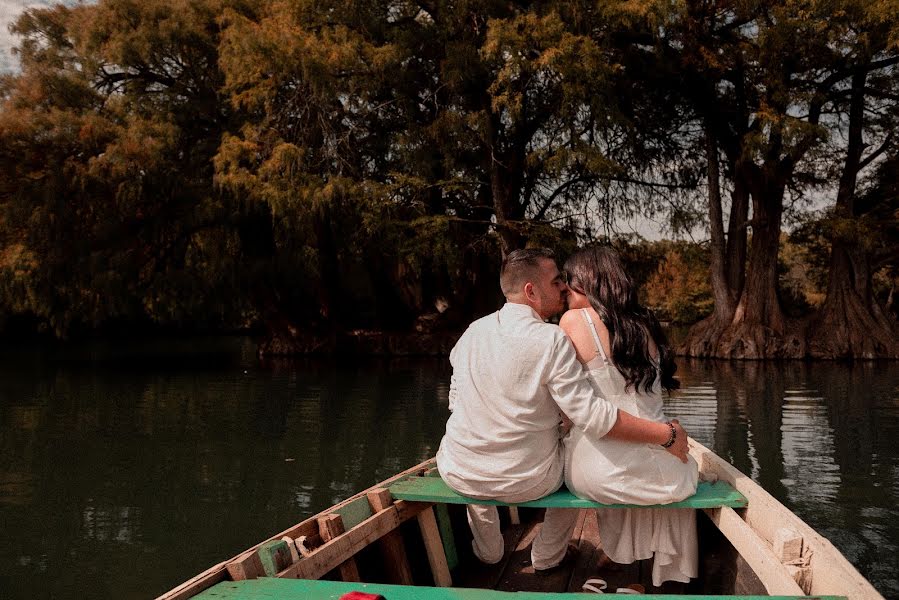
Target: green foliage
[105, 142]
[679, 289]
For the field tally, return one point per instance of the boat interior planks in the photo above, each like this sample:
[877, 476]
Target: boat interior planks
[471, 572]
[392, 547]
[330, 528]
[430, 534]
[305, 530]
[336, 551]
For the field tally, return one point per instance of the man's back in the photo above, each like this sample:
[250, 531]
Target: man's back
[503, 431]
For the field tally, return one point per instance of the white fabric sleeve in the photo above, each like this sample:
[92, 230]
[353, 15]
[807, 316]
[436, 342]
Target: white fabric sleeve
[454, 380]
[569, 385]
[453, 392]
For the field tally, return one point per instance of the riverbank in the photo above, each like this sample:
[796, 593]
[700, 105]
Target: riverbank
[368, 342]
[360, 343]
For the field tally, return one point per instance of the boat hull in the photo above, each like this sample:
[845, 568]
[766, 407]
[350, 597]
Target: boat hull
[762, 549]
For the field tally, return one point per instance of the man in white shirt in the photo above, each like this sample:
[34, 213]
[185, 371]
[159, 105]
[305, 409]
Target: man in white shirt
[512, 375]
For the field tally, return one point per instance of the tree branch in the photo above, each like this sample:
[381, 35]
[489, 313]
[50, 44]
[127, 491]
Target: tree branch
[873, 156]
[556, 193]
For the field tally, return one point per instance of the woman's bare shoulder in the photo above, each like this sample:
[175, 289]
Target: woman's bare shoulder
[570, 317]
[574, 326]
[572, 321]
[579, 331]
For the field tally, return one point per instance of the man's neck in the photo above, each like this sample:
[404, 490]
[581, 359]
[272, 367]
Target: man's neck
[520, 302]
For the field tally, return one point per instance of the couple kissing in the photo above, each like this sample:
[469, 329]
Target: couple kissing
[534, 405]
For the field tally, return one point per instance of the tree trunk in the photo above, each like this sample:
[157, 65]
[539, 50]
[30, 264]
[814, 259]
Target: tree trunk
[506, 171]
[757, 328]
[737, 237]
[724, 298]
[506, 207]
[705, 335]
[850, 323]
[328, 270]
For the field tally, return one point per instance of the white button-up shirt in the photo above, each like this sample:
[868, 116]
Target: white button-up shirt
[512, 373]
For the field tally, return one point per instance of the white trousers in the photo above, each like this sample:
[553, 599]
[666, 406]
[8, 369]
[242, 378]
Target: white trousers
[549, 546]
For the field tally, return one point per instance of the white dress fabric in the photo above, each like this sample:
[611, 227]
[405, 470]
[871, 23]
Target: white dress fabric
[612, 471]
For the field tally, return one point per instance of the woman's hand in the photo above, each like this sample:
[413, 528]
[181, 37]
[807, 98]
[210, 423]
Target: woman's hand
[679, 448]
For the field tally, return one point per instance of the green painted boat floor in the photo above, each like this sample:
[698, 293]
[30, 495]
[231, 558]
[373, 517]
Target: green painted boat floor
[267, 588]
[434, 489]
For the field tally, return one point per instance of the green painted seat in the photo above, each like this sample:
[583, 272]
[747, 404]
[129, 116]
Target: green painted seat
[433, 489]
[266, 588]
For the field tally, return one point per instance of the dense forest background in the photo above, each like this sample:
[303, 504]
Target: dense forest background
[309, 169]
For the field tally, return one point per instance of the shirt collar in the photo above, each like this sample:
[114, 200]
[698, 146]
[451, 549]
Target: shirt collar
[520, 310]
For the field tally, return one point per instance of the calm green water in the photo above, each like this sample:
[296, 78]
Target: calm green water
[124, 470]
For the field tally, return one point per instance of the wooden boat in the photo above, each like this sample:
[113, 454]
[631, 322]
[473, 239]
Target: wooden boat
[407, 537]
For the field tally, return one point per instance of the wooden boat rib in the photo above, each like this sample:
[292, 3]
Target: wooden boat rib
[750, 545]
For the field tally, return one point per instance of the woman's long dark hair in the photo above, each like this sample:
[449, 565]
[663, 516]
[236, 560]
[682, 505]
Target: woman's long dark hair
[597, 273]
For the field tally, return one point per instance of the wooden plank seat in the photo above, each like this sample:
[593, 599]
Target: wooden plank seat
[266, 588]
[434, 489]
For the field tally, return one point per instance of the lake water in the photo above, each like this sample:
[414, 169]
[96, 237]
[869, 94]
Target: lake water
[127, 468]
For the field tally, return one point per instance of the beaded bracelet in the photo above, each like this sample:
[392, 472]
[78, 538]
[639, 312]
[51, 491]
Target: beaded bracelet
[673, 437]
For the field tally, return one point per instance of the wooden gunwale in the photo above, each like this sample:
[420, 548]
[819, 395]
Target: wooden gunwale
[828, 571]
[332, 554]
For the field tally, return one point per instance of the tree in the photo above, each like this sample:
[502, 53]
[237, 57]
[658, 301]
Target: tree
[861, 230]
[418, 126]
[678, 289]
[107, 140]
[767, 82]
[325, 166]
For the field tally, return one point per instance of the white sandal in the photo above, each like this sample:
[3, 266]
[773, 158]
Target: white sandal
[599, 586]
[595, 585]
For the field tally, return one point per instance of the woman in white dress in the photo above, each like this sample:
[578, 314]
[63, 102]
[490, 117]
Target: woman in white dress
[627, 354]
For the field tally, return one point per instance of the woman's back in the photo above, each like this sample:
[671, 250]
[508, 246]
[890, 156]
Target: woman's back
[592, 343]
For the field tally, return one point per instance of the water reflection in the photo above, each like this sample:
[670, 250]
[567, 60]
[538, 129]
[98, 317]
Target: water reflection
[121, 480]
[819, 436]
[125, 471]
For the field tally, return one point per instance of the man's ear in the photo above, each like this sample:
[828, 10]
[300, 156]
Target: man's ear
[529, 291]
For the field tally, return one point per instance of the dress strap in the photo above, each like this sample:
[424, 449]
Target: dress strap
[595, 335]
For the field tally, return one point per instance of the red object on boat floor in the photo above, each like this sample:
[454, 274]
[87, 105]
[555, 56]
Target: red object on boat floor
[361, 596]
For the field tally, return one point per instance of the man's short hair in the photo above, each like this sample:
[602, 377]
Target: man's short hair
[520, 266]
